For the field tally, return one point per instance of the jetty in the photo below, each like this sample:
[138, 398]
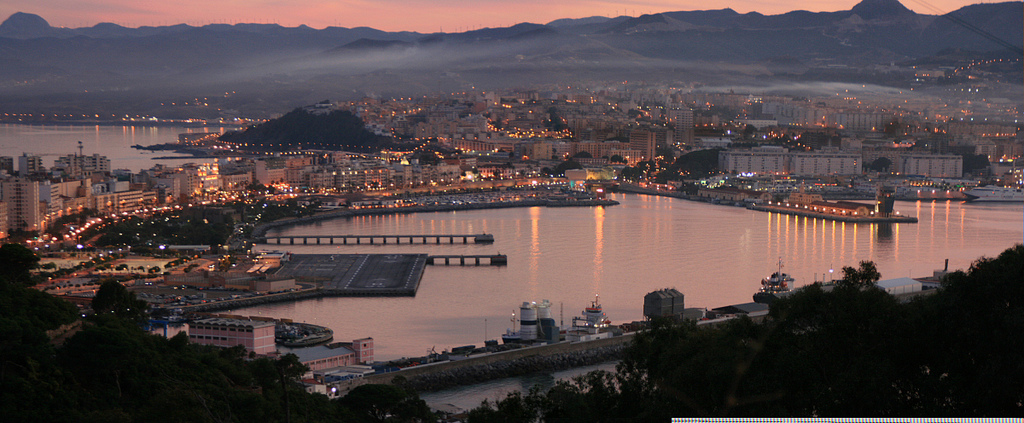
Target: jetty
[377, 239]
[476, 260]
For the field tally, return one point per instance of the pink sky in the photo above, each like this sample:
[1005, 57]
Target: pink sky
[398, 15]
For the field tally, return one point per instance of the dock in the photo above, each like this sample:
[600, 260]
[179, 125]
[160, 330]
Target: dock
[359, 274]
[378, 239]
[475, 260]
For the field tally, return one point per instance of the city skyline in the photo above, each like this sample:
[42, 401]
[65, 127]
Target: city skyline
[400, 15]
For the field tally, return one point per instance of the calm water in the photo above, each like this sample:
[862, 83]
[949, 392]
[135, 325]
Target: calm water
[715, 255]
[470, 396]
[112, 141]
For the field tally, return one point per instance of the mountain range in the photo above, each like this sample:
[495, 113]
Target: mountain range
[267, 63]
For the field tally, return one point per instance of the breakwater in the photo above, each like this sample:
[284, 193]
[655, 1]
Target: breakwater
[295, 296]
[261, 230]
[511, 363]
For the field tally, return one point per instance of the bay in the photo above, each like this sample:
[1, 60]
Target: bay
[114, 142]
[715, 255]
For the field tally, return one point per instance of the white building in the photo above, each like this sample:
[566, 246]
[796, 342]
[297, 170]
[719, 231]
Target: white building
[761, 160]
[932, 165]
[819, 164]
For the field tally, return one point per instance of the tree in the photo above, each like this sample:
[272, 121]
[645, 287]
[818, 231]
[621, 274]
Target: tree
[975, 163]
[864, 277]
[114, 298]
[880, 164]
[16, 262]
[583, 155]
[380, 403]
[615, 158]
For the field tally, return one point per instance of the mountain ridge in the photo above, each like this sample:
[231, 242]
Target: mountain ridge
[293, 65]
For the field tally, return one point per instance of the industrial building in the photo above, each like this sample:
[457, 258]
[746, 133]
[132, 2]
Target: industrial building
[255, 336]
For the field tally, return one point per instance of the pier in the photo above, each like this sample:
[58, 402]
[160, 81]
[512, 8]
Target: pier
[378, 239]
[476, 260]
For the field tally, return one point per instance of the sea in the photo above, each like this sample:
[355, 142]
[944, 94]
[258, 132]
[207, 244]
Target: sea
[113, 141]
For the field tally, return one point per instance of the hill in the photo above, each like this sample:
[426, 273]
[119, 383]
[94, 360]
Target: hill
[300, 129]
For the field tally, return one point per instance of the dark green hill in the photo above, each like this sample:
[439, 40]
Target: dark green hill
[301, 130]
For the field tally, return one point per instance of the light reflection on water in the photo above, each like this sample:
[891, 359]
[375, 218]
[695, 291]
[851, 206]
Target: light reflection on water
[715, 255]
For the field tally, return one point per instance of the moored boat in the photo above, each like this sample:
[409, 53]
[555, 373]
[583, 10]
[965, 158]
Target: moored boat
[775, 285]
[995, 194]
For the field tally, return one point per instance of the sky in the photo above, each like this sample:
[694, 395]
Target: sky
[424, 16]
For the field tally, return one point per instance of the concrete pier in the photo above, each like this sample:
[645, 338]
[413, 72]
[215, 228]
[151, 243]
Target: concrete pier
[474, 260]
[382, 239]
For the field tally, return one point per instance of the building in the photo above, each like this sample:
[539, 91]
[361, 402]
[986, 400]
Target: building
[645, 141]
[932, 165]
[733, 194]
[338, 354]
[900, 286]
[25, 211]
[760, 161]
[255, 336]
[666, 302]
[28, 165]
[820, 164]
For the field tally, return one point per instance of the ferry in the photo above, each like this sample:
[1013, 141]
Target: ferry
[995, 194]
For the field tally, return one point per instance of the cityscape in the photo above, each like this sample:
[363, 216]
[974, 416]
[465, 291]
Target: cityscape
[362, 225]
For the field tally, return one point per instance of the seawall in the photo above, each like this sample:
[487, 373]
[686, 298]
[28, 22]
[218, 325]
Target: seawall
[511, 363]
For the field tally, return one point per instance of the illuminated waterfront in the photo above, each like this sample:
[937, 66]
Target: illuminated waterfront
[715, 255]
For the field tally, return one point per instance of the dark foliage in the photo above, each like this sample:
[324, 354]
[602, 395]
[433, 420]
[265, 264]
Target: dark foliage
[846, 350]
[297, 130]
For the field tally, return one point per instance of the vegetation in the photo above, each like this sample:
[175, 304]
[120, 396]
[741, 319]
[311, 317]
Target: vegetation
[110, 370]
[337, 130]
[176, 229]
[853, 350]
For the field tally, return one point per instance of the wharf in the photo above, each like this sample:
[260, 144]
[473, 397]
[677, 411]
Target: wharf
[838, 218]
[492, 259]
[359, 274]
[382, 239]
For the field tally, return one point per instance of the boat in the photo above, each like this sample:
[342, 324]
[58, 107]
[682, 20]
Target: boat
[591, 325]
[774, 286]
[593, 318]
[993, 193]
[512, 336]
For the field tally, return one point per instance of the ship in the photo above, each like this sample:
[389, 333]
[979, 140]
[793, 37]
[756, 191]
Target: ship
[591, 325]
[995, 194]
[774, 286]
[593, 318]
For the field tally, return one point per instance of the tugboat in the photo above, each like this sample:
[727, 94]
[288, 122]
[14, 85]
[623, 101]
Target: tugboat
[774, 286]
